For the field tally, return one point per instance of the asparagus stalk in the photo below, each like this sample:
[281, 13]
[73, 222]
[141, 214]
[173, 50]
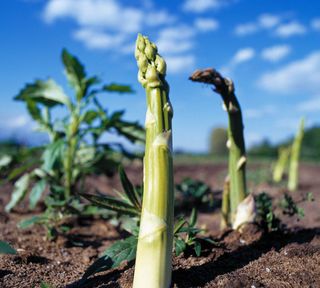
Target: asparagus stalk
[236, 144]
[294, 159]
[225, 209]
[154, 252]
[281, 164]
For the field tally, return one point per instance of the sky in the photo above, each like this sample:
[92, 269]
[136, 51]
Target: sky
[270, 49]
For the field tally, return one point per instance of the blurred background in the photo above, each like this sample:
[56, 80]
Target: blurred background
[270, 49]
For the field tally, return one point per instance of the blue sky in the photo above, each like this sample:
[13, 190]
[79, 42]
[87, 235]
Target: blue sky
[271, 49]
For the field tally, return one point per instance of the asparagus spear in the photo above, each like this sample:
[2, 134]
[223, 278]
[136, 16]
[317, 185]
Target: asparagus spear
[154, 252]
[281, 164]
[236, 144]
[294, 159]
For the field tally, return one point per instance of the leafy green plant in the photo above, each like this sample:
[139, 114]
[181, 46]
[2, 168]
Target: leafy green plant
[76, 147]
[5, 248]
[265, 212]
[186, 236]
[193, 193]
[236, 144]
[127, 203]
[290, 207]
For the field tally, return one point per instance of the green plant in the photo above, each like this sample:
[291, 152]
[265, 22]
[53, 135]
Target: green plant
[293, 177]
[290, 207]
[265, 212]
[218, 141]
[156, 226]
[186, 236]
[76, 148]
[236, 144]
[193, 193]
[5, 248]
[281, 164]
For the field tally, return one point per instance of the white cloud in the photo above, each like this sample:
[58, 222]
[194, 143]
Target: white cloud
[95, 13]
[21, 121]
[199, 6]
[98, 40]
[275, 53]
[315, 24]
[175, 39]
[105, 24]
[159, 18]
[310, 105]
[246, 29]
[264, 21]
[177, 63]
[243, 55]
[268, 20]
[206, 24]
[301, 76]
[290, 29]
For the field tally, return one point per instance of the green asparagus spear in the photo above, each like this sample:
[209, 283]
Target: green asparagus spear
[236, 144]
[294, 159]
[154, 252]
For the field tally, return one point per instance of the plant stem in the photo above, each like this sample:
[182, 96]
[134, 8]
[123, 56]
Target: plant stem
[236, 144]
[72, 142]
[154, 251]
[294, 159]
[225, 209]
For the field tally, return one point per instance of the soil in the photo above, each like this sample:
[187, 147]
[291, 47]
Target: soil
[251, 258]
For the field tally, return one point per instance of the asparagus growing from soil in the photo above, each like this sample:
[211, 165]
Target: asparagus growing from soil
[281, 164]
[294, 159]
[236, 144]
[153, 263]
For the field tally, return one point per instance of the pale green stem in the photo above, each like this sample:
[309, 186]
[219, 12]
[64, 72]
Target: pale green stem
[154, 252]
[294, 159]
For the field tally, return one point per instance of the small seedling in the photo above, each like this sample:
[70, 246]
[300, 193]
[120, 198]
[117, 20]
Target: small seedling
[193, 193]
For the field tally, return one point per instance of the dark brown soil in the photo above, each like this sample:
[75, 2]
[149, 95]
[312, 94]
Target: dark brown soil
[252, 258]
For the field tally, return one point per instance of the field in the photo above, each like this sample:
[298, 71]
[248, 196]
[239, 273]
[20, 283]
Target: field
[287, 257]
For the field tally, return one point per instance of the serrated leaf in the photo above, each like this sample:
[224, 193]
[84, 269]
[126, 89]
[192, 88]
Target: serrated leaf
[124, 250]
[112, 204]
[52, 154]
[90, 116]
[180, 246]
[5, 248]
[178, 226]
[133, 131]
[193, 217]
[34, 110]
[19, 192]
[75, 73]
[25, 223]
[36, 193]
[119, 88]
[48, 93]
[129, 189]
[197, 248]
